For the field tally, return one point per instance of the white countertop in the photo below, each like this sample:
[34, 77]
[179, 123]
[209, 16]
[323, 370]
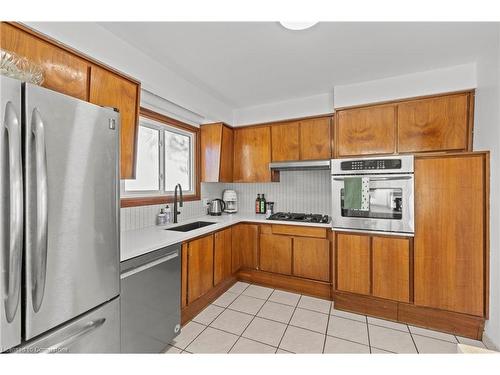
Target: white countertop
[141, 241]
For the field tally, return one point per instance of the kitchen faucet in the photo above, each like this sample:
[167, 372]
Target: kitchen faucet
[175, 201]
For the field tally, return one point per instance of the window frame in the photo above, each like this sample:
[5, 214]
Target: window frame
[156, 121]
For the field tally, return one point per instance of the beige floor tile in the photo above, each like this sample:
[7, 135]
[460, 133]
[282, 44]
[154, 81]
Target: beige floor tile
[348, 315]
[388, 324]
[433, 334]
[348, 329]
[380, 351]
[208, 315]
[188, 334]
[232, 321]
[308, 319]
[300, 340]
[281, 351]
[276, 311]
[258, 291]
[391, 340]
[238, 287]
[286, 298]
[265, 331]
[315, 304]
[225, 299]
[244, 345]
[429, 345]
[471, 342]
[212, 341]
[246, 304]
[336, 345]
[172, 350]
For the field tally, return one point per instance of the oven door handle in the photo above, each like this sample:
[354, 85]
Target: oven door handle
[395, 178]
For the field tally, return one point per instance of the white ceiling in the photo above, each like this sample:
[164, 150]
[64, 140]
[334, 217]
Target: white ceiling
[251, 63]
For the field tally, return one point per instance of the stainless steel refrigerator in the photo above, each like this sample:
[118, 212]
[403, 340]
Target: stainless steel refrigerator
[59, 222]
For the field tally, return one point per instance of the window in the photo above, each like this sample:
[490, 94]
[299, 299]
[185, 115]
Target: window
[165, 157]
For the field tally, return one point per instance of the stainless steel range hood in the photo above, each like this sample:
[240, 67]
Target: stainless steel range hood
[300, 165]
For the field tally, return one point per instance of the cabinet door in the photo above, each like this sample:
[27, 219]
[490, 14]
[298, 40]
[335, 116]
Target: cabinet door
[366, 131]
[110, 90]
[391, 268]
[434, 124]
[210, 144]
[222, 255]
[226, 158]
[62, 71]
[353, 263]
[245, 239]
[252, 154]
[276, 254]
[315, 139]
[311, 258]
[200, 267]
[285, 141]
[450, 230]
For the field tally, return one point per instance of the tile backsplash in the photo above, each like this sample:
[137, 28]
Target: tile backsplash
[297, 191]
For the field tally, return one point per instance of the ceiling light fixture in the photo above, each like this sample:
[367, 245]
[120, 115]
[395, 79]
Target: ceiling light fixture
[292, 25]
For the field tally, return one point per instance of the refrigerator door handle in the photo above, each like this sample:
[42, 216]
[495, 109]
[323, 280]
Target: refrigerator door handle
[67, 341]
[40, 256]
[15, 231]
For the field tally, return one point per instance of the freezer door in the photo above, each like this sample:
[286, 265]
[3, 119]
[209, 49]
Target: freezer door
[72, 210]
[95, 332]
[11, 213]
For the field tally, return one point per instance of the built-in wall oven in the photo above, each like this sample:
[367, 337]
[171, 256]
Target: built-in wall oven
[373, 195]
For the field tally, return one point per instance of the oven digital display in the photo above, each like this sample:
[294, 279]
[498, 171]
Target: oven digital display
[372, 164]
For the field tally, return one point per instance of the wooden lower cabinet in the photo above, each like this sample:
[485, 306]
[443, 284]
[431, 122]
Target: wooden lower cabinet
[200, 267]
[353, 263]
[276, 254]
[222, 255]
[245, 243]
[311, 258]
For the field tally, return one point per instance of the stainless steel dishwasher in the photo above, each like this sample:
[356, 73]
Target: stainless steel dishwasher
[150, 300]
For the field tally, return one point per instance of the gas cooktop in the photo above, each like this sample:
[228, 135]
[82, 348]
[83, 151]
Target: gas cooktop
[305, 218]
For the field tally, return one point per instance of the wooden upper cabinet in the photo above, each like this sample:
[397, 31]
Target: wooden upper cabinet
[451, 226]
[315, 139]
[391, 268]
[434, 124]
[222, 255]
[353, 263]
[285, 141]
[63, 72]
[111, 90]
[216, 153]
[200, 258]
[252, 154]
[311, 258]
[245, 243]
[366, 131]
[276, 254]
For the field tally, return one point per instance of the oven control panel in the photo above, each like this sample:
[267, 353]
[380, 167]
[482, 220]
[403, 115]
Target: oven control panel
[371, 164]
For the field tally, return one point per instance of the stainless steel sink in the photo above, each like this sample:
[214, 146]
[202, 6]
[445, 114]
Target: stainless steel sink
[190, 226]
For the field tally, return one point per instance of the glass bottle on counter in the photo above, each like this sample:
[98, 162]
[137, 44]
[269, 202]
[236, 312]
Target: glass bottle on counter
[257, 204]
[262, 205]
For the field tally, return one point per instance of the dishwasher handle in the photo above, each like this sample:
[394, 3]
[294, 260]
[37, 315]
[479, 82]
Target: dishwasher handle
[146, 266]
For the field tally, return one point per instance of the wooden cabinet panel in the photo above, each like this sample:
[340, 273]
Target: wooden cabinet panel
[434, 124]
[311, 258]
[63, 71]
[391, 268]
[245, 239]
[353, 263]
[450, 229]
[184, 265]
[200, 267]
[216, 144]
[366, 131]
[222, 255]
[111, 90]
[315, 139]
[252, 154]
[296, 230]
[285, 141]
[276, 254]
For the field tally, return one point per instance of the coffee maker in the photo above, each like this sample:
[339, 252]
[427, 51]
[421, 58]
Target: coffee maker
[231, 200]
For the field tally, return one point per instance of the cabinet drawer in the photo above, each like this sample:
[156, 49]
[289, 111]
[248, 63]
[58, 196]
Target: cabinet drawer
[295, 230]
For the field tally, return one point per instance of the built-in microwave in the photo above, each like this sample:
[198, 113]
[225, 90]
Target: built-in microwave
[388, 195]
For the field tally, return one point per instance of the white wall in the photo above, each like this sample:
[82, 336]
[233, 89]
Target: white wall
[454, 78]
[294, 108]
[487, 137]
[97, 42]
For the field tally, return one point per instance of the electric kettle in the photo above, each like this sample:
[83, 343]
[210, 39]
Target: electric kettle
[216, 206]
